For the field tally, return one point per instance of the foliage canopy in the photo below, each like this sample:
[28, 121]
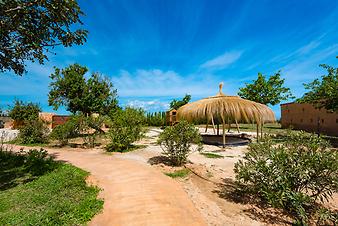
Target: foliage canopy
[323, 93]
[70, 88]
[29, 29]
[266, 91]
[176, 104]
[156, 118]
[24, 111]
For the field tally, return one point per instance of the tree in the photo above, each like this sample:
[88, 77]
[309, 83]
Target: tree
[29, 29]
[176, 104]
[271, 91]
[323, 93]
[71, 89]
[24, 111]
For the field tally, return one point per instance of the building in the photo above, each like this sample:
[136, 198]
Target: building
[306, 117]
[171, 117]
[52, 120]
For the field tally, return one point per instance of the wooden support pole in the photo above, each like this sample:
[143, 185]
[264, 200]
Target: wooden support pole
[213, 124]
[217, 129]
[257, 123]
[223, 133]
[206, 128]
[262, 124]
[229, 125]
[237, 126]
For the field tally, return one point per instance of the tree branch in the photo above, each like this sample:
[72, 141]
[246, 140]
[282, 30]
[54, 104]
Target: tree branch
[21, 7]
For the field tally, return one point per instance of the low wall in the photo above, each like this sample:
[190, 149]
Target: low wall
[59, 120]
[306, 117]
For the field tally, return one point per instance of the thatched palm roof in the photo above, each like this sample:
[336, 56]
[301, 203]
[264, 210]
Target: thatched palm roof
[224, 108]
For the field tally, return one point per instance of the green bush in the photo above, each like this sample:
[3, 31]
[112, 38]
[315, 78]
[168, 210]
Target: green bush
[91, 127]
[126, 127]
[39, 162]
[26, 164]
[176, 142]
[33, 131]
[296, 174]
[88, 127]
[62, 133]
[24, 111]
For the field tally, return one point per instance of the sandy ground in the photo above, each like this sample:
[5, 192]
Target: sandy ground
[136, 192]
[133, 193]
[210, 184]
[204, 189]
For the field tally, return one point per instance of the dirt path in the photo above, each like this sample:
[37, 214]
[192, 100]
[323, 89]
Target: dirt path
[133, 193]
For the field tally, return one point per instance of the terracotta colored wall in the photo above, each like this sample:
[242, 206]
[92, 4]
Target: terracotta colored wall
[59, 120]
[47, 117]
[52, 119]
[306, 117]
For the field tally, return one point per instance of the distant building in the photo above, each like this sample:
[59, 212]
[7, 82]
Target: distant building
[52, 119]
[306, 117]
[171, 117]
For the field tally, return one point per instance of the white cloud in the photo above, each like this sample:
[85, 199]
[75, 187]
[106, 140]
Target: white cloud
[34, 81]
[223, 60]
[157, 83]
[308, 48]
[153, 89]
[305, 69]
[305, 50]
[152, 105]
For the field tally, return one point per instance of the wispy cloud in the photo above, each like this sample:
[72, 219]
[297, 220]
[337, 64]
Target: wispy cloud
[303, 70]
[308, 48]
[302, 51]
[156, 82]
[152, 105]
[223, 60]
[34, 82]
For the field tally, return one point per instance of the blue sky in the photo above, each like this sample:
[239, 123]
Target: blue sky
[157, 50]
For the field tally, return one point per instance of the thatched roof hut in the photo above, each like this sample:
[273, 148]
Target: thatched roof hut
[222, 108]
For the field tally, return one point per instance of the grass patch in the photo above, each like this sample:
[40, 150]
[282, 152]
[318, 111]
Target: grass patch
[212, 155]
[179, 173]
[18, 142]
[52, 194]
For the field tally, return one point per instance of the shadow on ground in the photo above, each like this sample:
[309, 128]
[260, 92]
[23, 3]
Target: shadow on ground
[256, 210]
[160, 159]
[21, 167]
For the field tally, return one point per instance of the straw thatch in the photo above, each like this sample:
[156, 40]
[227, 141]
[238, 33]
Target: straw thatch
[224, 108]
